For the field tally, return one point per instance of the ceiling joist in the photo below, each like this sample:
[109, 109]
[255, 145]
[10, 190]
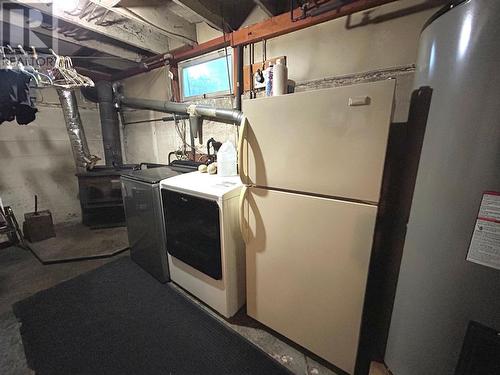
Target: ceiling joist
[206, 10]
[161, 18]
[116, 26]
[268, 7]
[71, 34]
[223, 15]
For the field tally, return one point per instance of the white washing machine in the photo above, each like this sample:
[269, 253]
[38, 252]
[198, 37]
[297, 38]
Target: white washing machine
[206, 254]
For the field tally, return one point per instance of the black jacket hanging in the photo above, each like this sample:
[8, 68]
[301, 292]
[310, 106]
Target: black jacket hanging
[15, 100]
[8, 94]
[25, 110]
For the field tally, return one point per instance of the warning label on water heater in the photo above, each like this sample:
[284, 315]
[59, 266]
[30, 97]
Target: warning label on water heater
[485, 244]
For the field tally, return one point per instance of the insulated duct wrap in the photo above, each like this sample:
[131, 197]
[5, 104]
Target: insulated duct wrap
[83, 159]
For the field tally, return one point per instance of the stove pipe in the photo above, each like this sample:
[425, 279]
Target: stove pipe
[109, 124]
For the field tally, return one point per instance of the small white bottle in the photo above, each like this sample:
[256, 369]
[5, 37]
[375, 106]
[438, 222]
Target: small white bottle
[268, 76]
[280, 78]
[226, 160]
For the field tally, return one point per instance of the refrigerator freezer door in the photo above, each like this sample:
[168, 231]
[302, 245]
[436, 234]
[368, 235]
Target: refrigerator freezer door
[330, 142]
[307, 265]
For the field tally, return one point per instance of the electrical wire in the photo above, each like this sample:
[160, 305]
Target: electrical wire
[181, 132]
[227, 63]
[229, 79]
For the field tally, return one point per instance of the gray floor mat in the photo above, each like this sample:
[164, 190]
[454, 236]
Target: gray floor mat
[119, 320]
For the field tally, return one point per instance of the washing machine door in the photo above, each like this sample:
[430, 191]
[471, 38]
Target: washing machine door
[145, 227]
[193, 231]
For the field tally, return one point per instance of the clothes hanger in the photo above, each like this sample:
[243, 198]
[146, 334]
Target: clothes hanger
[8, 61]
[70, 71]
[48, 80]
[11, 50]
[70, 78]
[63, 67]
[64, 80]
[47, 83]
[6, 64]
[86, 81]
[41, 79]
[22, 68]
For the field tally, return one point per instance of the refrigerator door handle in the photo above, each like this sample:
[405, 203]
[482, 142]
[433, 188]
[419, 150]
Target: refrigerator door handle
[241, 143]
[242, 212]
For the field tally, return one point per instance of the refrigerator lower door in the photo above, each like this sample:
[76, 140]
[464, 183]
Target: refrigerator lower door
[329, 142]
[307, 262]
[145, 226]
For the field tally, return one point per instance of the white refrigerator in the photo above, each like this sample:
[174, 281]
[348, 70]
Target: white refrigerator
[312, 164]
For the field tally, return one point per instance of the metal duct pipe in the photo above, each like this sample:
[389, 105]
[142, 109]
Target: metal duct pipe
[153, 105]
[109, 124]
[229, 116]
[196, 129]
[83, 159]
[196, 113]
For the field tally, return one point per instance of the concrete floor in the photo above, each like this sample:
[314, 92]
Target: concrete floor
[22, 275]
[75, 241]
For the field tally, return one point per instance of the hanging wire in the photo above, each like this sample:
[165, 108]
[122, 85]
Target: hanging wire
[231, 95]
[227, 60]
[181, 132]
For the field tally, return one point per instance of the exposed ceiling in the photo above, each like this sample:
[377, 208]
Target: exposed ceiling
[107, 36]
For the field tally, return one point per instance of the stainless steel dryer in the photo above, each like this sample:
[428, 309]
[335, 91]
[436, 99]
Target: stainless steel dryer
[145, 220]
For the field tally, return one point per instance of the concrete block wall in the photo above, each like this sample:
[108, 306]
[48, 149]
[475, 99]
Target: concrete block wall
[143, 142]
[153, 141]
[37, 159]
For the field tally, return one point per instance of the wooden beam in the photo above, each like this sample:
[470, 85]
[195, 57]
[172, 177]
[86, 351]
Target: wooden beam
[209, 46]
[267, 29]
[95, 76]
[283, 24]
[176, 87]
[168, 23]
[130, 32]
[173, 57]
[101, 46]
[83, 38]
[144, 66]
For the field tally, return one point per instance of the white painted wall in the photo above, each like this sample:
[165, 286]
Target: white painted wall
[141, 141]
[152, 142]
[37, 159]
[331, 49]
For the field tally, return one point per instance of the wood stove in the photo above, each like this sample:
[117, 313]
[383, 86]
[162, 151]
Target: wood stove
[101, 196]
